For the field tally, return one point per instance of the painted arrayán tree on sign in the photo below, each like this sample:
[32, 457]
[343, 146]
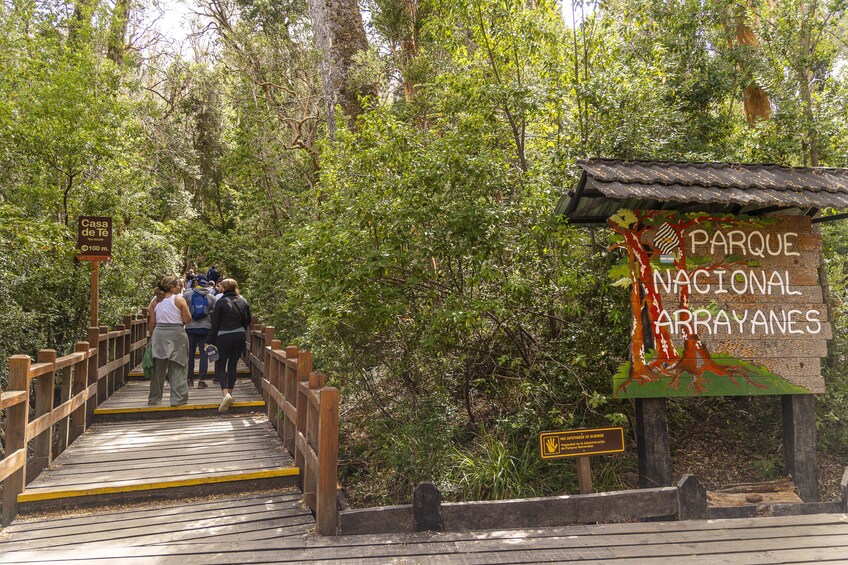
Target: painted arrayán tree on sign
[721, 305]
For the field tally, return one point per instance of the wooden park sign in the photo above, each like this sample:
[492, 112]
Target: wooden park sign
[94, 238]
[94, 243]
[582, 442]
[720, 304]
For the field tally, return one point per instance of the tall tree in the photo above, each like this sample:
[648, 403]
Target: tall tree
[339, 36]
[118, 31]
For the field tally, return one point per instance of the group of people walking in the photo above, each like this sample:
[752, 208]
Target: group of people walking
[210, 317]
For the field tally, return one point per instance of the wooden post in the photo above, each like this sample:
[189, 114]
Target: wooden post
[691, 499]
[304, 369]
[326, 513]
[313, 414]
[102, 361]
[93, 364]
[272, 372]
[254, 352]
[426, 508]
[17, 417]
[128, 352]
[78, 416]
[289, 390]
[652, 443]
[95, 292]
[121, 349]
[65, 395]
[584, 474]
[799, 442]
[45, 385]
[265, 354]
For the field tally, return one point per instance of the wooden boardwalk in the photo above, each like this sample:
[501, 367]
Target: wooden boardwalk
[130, 402]
[273, 528]
[164, 451]
[198, 486]
[130, 460]
[138, 373]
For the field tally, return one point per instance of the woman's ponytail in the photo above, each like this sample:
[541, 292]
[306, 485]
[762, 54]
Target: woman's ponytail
[167, 282]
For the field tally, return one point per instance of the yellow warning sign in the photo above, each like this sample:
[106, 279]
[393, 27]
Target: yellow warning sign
[587, 441]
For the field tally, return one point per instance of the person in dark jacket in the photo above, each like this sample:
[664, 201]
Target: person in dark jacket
[212, 274]
[230, 322]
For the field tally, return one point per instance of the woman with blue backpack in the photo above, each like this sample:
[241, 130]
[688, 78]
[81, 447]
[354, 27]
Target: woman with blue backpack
[200, 304]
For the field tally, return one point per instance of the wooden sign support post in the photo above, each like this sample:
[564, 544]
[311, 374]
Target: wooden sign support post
[799, 442]
[94, 242]
[95, 291]
[584, 475]
[652, 443]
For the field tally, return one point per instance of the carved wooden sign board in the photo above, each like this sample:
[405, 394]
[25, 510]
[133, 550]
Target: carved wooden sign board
[94, 238]
[721, 305]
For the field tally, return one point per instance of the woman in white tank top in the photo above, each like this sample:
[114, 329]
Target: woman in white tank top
[169, 343]
[167, 312]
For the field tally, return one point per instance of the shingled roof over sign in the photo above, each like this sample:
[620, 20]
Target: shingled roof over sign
[607, 185]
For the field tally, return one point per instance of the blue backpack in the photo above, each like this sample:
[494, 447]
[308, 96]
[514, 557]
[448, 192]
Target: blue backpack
[199, 305]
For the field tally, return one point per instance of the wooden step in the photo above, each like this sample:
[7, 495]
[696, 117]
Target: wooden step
[130, 402]
[242, 369]
[126, 461]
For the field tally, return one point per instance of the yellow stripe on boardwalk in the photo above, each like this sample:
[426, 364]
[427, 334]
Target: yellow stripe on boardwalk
[101, 411]
[56, 494]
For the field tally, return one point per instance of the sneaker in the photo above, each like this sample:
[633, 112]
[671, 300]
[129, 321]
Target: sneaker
[226, 402]
[202, 384]
[190, 383]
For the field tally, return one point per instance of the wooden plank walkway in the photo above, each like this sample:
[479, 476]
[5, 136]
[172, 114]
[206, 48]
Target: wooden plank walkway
[169, 457]
[130, 402]
[272, 528]
[138, 373]
[256, 516]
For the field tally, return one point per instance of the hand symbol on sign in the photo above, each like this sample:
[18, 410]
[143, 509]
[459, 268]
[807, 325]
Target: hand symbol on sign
[551, 445]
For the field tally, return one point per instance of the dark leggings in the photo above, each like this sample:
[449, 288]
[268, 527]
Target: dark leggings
[230, 348]
[195, 342]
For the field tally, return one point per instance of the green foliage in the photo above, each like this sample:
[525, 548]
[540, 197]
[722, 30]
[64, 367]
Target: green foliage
[415, 252]
[496, 471]
[70, 144]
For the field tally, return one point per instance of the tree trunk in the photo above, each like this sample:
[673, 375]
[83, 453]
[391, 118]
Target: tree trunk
[118, 31]
[80, 23]
[804, 76]
[339, 35]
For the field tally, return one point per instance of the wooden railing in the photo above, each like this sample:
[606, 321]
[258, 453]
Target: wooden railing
[89, 375]
[305, 413]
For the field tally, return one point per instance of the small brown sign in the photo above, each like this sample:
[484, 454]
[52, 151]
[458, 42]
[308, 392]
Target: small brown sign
[576, 443]
[94, 238]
